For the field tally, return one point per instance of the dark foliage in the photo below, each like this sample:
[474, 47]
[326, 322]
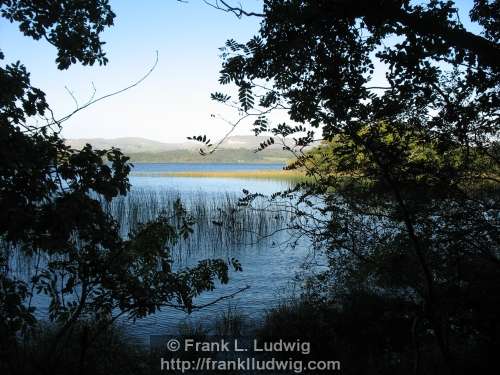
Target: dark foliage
[56, 239]
[404, 191]
[73, 27]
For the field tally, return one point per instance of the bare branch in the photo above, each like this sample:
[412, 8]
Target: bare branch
[93, 101]
[199, 307]
[237, 11]
[72, 96]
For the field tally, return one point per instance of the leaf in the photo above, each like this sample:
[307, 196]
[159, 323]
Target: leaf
[232, 45]
[200, 138]
[224, 78]
[260, 125]
[220, 97]
[269, 99]
[236, 265]
[245, 97]
[254, 44]
[265, 144]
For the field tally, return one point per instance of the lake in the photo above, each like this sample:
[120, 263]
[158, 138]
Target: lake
[269, 269]
[269, 266]
[147, 175]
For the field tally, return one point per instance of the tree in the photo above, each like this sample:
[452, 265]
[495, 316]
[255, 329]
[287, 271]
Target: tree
[405, 194]
[50, 209]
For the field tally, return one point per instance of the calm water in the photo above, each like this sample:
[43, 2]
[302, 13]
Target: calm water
[268, 267]
[206, 167]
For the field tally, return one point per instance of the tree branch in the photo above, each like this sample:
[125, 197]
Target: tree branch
[237, 11]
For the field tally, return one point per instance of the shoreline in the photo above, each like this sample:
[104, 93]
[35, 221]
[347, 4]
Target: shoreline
[269, 174]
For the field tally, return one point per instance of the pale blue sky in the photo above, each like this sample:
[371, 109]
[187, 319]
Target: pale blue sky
[174, 102]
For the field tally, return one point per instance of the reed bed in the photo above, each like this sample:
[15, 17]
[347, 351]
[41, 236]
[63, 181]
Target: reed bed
[221, 225]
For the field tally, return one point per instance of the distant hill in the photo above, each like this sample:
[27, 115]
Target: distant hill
[136, 144]
[127, 145]
[249, 142]
[236, 149]
[235, 155]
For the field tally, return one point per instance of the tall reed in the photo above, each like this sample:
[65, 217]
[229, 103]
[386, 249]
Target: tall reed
[221, 225]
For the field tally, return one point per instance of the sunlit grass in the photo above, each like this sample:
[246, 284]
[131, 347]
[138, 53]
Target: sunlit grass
[259, 174]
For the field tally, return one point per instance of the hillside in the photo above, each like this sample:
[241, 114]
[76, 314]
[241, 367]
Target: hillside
[236, 149]
[127, 144]
[238, 155]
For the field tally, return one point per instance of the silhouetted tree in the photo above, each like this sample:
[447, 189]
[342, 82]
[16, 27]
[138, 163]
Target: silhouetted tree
[404, 191]
[50, 211]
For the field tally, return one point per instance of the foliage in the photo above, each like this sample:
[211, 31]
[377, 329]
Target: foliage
[72, 27]
[51, 212]
[112, 352]
[404, 192]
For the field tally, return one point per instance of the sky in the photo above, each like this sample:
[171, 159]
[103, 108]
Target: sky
[174, 101]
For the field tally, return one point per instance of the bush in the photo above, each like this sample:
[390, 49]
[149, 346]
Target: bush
[110, 352]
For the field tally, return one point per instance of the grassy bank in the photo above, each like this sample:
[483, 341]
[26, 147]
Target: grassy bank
[260, 174]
